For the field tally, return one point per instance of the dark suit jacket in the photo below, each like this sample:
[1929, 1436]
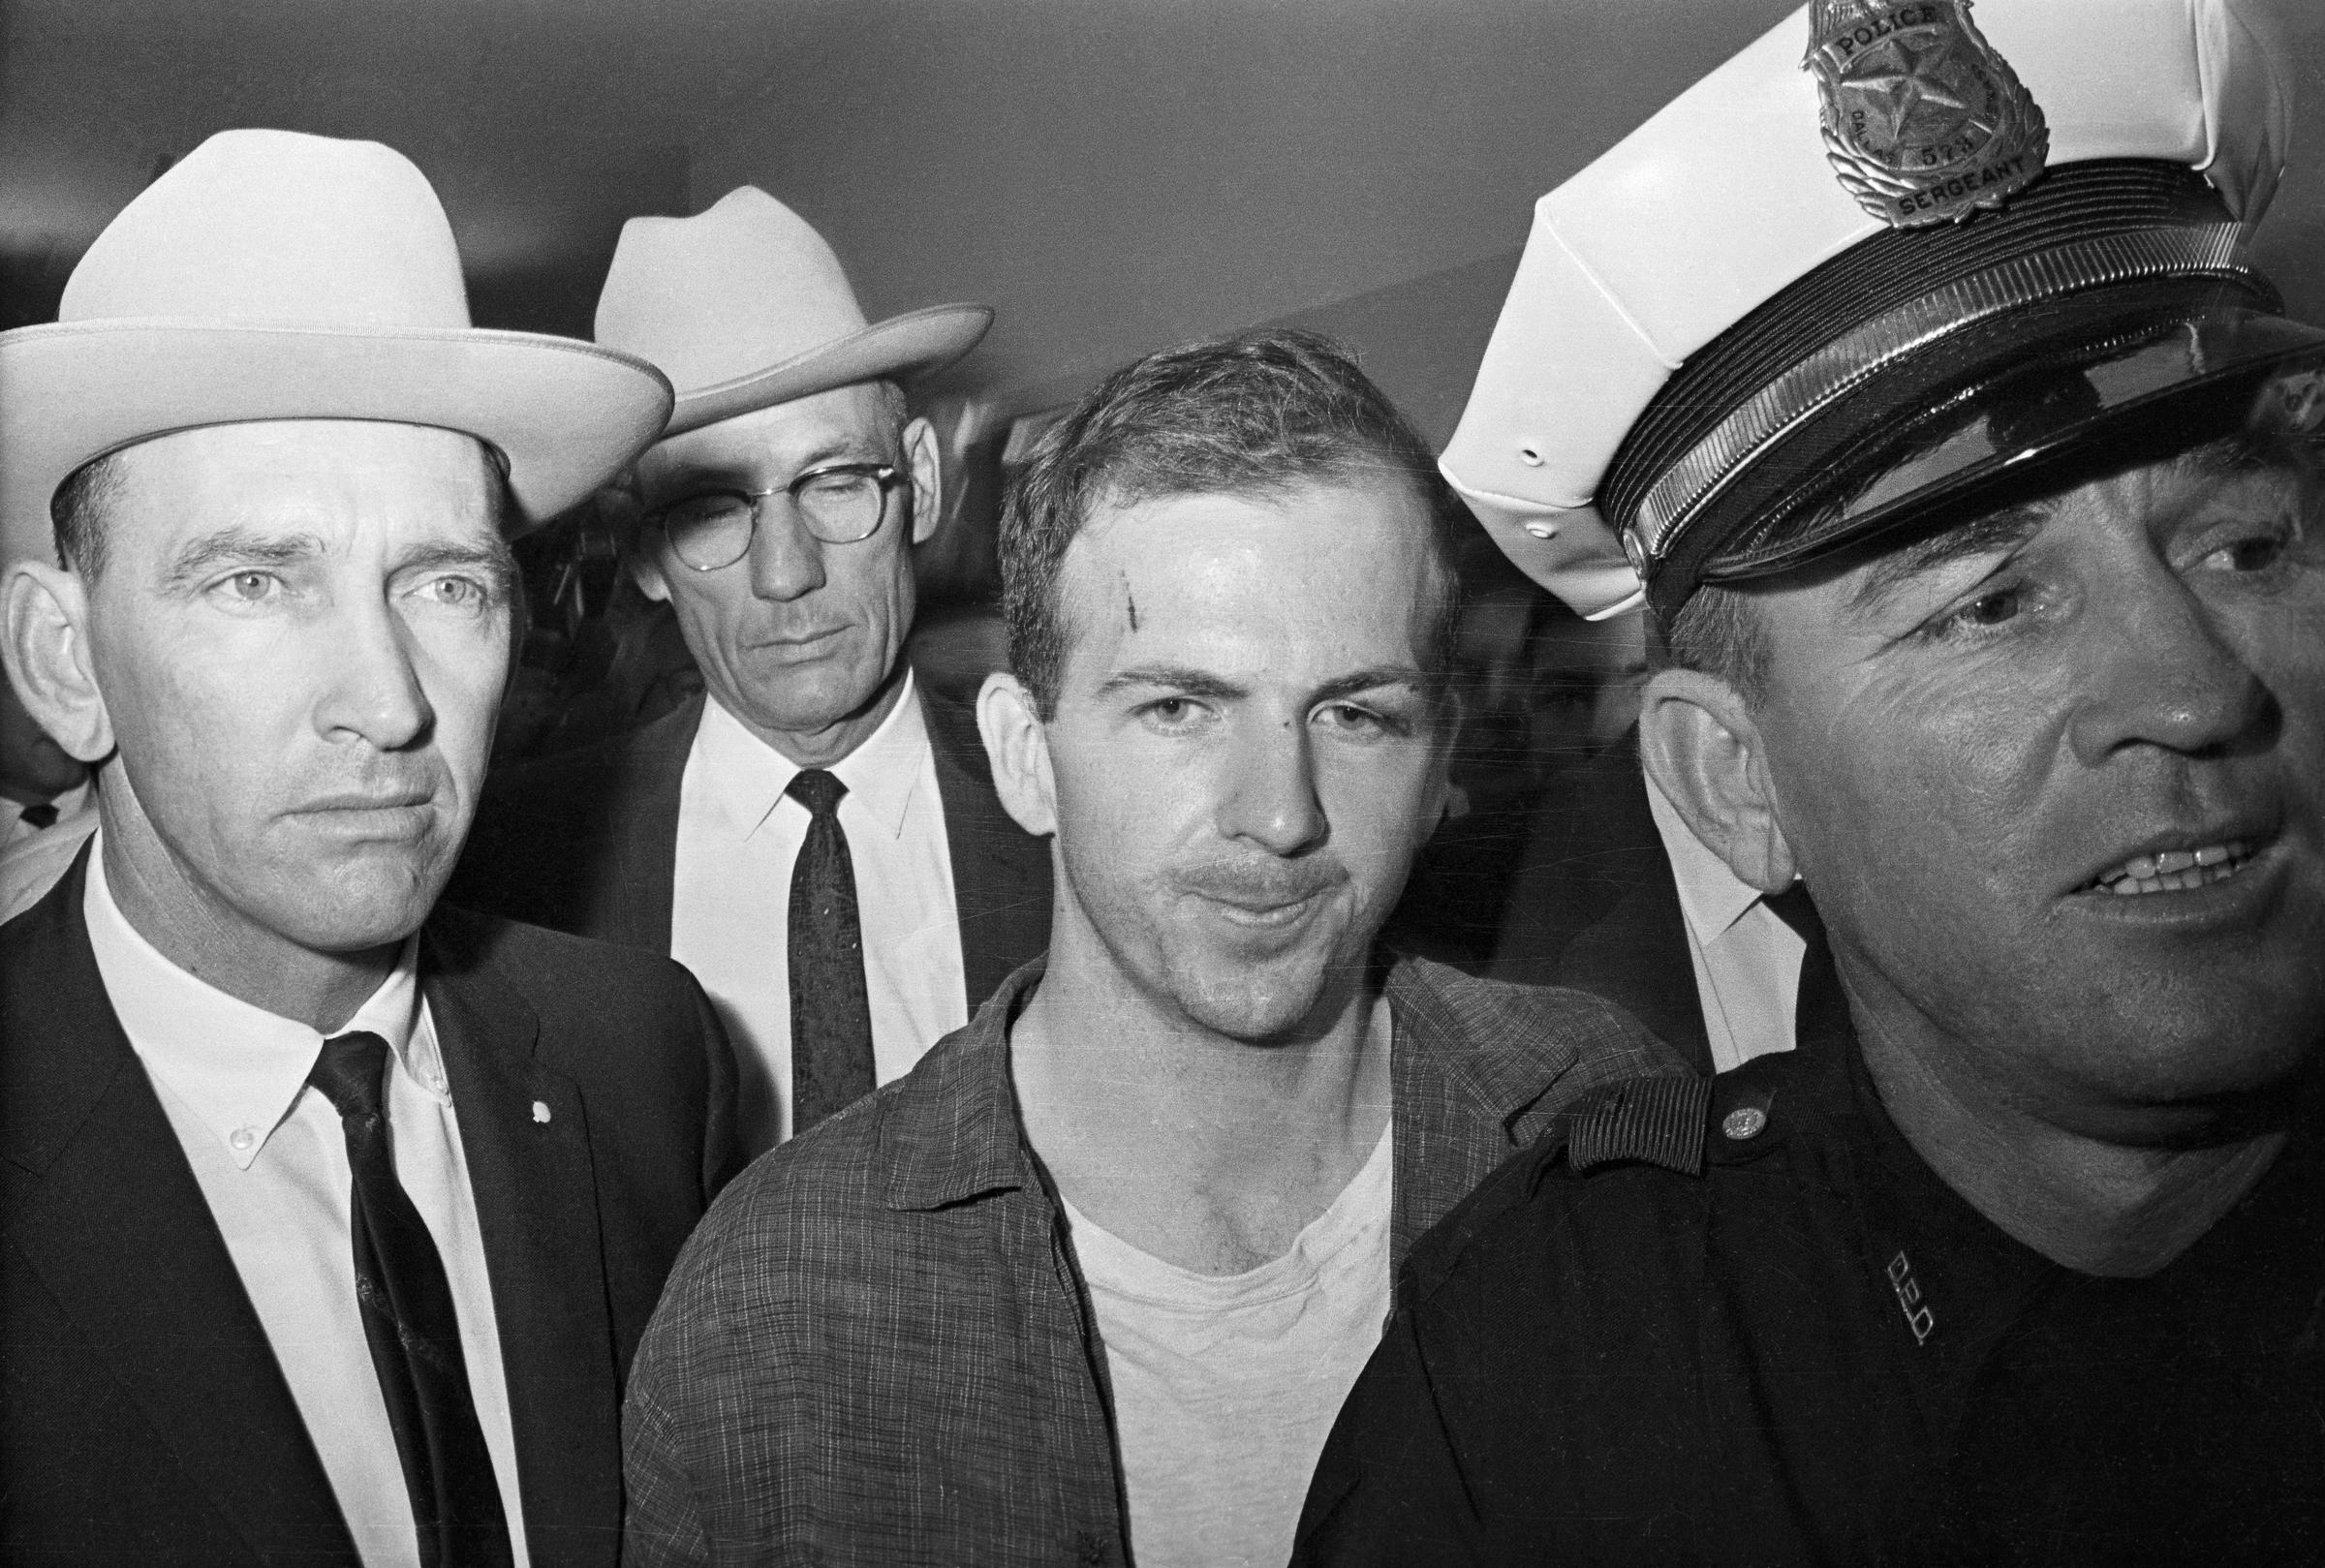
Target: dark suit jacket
[588, 843]
[1595, 905]
[142, 1415]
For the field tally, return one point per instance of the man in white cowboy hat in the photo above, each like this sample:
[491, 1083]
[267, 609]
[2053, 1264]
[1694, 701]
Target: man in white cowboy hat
[1975, 482]
[819, 839]
[331, 1219]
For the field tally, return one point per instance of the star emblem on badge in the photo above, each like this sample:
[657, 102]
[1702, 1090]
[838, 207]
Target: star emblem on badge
[1904, 78]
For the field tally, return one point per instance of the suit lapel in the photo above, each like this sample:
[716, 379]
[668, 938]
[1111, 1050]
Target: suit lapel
[525, 1135]
[1001, 873]
[633, 900]
[113, 1223]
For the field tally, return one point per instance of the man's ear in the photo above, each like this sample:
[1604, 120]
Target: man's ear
[645, 571]
[1701, 747]
[1018, 747]
[923, 455]
[43, 642]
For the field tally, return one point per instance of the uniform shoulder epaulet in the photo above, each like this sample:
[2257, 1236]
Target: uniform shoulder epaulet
[1657, 1119]
[1678, 1121]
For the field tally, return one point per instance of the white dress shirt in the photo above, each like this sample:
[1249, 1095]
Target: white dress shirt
[1747, 958]
[272, 1158]
[739, 834]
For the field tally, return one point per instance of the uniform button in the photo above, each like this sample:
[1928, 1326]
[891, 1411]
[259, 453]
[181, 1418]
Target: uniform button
[242, 1138]
[1744, 1121]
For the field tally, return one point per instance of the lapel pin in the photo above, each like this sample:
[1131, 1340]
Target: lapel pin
[541, 1112]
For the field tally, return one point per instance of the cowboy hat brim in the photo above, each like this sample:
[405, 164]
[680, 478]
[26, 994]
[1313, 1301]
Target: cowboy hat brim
[566, 415]
[903, 348]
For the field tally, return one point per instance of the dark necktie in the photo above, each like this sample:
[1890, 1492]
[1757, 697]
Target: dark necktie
[1795, 908]
[39, 817]
[831, 1012]
[414, 1331]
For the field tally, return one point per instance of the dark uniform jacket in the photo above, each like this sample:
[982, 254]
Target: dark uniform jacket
[878, 1351]
[588, 843]
[143, 1418]
[1739, 1321]
[1594, 907]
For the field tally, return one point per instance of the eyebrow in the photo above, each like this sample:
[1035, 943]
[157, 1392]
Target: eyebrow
[494, 560]
[694, 479]
[1196, 683]
[239, 546]
[2004, 530]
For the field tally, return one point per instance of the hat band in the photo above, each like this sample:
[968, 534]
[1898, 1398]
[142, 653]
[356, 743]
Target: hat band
[1849, 361]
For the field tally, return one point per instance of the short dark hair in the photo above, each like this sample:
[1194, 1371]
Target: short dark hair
[1257, 413]
[78, 509]
[1716, 631]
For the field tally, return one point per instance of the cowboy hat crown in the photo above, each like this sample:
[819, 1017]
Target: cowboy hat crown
[273, 275]
[745, 306]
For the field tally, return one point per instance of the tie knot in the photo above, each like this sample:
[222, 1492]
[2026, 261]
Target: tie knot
[817, 791]
[1795, 908]
[351, 1072]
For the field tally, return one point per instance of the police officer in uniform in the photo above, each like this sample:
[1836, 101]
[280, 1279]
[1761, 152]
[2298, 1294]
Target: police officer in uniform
[1981, 525]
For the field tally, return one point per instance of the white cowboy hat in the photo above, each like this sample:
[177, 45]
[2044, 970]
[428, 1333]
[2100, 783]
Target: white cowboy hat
[270, 275]
[745, 306]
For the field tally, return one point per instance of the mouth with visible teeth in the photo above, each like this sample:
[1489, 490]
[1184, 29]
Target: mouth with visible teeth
[2175, 871]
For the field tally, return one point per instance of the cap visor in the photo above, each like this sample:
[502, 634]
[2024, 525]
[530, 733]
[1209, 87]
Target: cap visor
[2005, 408]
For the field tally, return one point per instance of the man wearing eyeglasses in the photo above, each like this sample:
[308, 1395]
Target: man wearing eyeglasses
[818, 839]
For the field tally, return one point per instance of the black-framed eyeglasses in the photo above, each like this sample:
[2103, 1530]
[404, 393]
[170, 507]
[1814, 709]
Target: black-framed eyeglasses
[838, 503]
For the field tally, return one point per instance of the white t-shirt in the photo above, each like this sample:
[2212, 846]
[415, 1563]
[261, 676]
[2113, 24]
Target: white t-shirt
[1225, 1388]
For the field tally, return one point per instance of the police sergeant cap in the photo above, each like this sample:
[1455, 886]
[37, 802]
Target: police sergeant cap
[1884, 260]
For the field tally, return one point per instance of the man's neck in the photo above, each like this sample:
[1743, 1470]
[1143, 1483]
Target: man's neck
[1205, 1150]
[822, 748]
[319, 989]
[2094, 1205]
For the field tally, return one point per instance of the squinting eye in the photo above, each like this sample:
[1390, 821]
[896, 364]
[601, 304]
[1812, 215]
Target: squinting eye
[2256, 554]
[1992, 609]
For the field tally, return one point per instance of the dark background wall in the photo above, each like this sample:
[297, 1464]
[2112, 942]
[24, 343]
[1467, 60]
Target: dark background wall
[1113, 174]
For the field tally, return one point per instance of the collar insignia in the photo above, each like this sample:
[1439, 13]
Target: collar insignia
[1922, 120]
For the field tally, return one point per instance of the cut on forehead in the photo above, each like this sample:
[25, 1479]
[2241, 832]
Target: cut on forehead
[1232, 561]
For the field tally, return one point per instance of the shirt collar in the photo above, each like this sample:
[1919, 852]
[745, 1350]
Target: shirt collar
[1712, 897]
[747, 778]
[239, 1068]
[951, 1129]
[72, 802]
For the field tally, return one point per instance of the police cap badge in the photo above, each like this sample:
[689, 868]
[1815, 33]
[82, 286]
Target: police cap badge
[1700, 376]
[1923, 120]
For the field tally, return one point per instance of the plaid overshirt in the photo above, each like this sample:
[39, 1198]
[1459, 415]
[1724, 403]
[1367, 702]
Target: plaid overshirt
[878, 1349]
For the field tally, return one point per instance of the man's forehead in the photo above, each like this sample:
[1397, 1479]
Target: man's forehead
[1325, 575]
[304, 472]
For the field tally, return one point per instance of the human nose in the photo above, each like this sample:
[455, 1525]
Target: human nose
[1271, 798]
[375, 692]
[2167, 674]
[787, 561]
